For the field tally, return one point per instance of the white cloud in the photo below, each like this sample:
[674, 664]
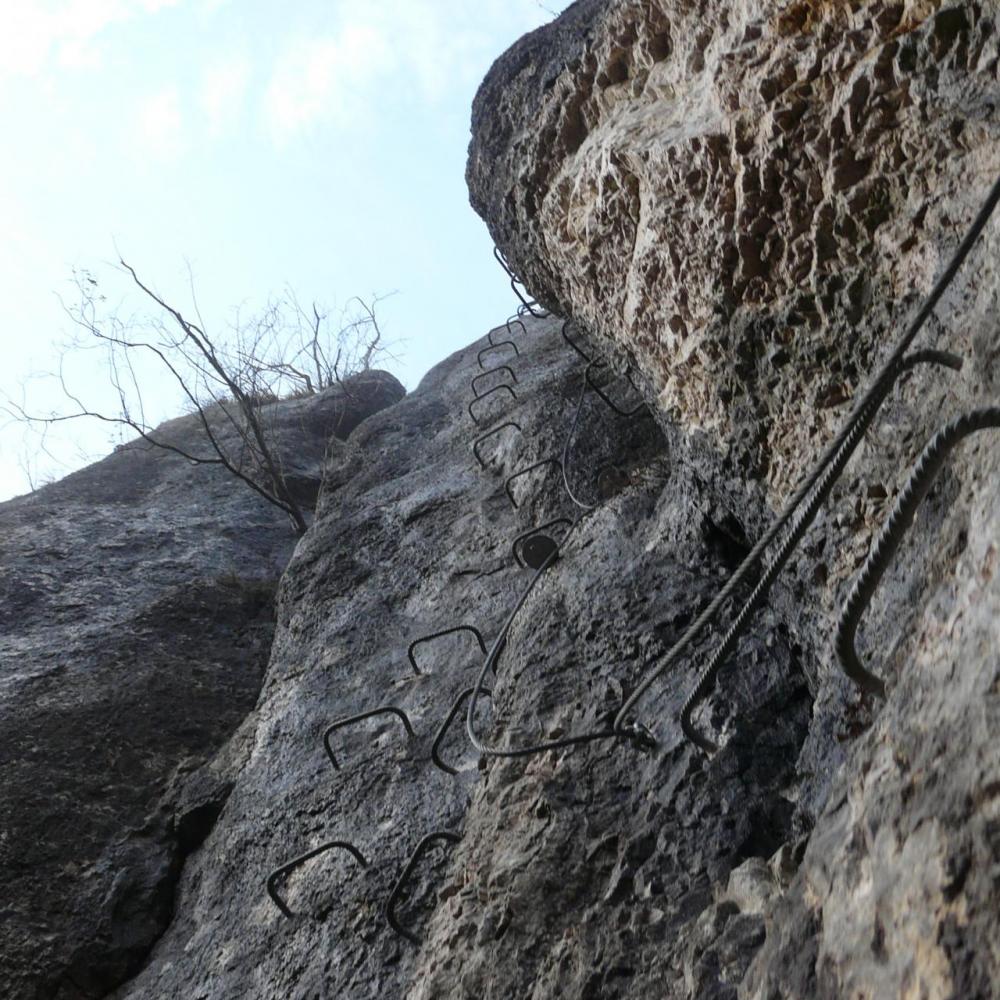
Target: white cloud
[161, 124]
[223, 92]
[37, 32]
[325, 78]
[382, 48]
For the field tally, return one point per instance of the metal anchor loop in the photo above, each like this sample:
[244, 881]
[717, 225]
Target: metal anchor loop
[352, 719]
[411, 651]
[446, 725]
[279, 874]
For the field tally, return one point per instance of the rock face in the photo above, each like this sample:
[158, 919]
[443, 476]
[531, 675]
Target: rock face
[749, 200]
[136, 617]
[741, 203]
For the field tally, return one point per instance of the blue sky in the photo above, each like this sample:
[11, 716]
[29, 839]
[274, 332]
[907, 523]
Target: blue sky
[319, 145]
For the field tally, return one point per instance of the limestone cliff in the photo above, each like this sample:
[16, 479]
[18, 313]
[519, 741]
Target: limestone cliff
[750, 200]
[738, 206]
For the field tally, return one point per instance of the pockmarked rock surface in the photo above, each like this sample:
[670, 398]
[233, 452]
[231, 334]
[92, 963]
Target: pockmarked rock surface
[749, 201]
[136, 618]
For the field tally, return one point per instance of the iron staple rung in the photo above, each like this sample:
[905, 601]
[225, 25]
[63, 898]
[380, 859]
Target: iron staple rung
[487, 374]
[411, 649]
[360, 717]
[922, 476]
[814, 498]
[487, 394]
[400, 886]
[286, 869]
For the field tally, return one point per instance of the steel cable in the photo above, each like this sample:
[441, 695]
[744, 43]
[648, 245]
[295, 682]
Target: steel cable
[501, 640]
[835, 450]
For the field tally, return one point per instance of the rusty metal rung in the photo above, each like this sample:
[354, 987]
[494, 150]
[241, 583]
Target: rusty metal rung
[400, 886]
[411, 651]
[360, 717]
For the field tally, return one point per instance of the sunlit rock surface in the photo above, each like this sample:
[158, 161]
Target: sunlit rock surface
[750, 200]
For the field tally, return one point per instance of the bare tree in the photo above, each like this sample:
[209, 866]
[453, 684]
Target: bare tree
[228, 382]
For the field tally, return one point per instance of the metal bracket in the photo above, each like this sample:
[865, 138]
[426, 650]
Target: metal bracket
[607, 399]
[798, 514]
[534, 531]
[438, 635]
[286, 869]
[446, 725]
[494, 347]
[350, 720]
[400, 886]
[922, 476]
[514, 282]
[510, 321]
[523, 472]
[579, 350]
[495, 430]
[487, 394]
[487, 374]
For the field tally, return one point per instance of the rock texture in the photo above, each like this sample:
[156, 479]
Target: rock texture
[749, 200]
[742, 203]
[601, 871]
[136, 617]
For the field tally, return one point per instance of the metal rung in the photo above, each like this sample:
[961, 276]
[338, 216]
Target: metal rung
[437, 635]
[286, 869]
[490, 433]
[487, 394]
[487, 374]
[925, 470]
[579, 350]
[525, 472]
[607, 399]
[350, 720]
[400, 886]
[494, 347]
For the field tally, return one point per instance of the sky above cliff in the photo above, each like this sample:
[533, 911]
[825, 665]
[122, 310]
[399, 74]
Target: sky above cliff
[318, 145]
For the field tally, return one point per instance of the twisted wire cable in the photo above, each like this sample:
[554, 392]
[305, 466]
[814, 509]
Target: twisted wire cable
[800, 523]
[877, 391]
[501, 640]
[922, 476]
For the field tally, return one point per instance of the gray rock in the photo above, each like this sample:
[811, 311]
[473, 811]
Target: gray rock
[750, 202]
[136, 618]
